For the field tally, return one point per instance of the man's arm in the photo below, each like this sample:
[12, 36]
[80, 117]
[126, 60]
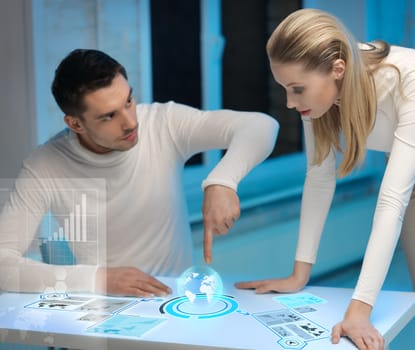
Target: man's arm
[19, 221]
[247, 137]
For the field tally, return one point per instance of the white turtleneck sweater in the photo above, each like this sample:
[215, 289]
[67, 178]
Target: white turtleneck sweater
[136, 211]
[393, 133]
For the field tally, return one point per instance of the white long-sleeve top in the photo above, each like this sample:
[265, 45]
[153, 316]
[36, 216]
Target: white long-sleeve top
[140, 219]
[394, 133]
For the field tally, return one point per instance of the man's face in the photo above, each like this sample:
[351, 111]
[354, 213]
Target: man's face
[109, 122]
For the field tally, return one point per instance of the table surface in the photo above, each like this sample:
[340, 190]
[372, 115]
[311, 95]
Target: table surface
[238, 319]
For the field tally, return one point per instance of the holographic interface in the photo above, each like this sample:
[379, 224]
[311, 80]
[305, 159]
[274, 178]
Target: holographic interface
[200, 290]
[200, 308]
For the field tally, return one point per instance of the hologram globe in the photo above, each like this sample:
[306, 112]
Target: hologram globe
[200, 284]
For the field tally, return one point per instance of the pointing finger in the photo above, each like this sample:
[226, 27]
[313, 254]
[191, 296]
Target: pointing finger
[207, 244]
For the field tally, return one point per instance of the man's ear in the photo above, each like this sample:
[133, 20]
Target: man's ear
[74, 123]
[339, 68]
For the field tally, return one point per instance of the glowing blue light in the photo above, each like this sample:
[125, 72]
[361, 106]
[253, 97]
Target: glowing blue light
[199, 281]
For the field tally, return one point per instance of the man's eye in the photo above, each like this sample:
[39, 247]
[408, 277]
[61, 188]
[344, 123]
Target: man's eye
[107, 117]
[130, 100]
[298, 90]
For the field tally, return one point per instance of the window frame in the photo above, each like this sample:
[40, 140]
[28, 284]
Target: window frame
[273, 171]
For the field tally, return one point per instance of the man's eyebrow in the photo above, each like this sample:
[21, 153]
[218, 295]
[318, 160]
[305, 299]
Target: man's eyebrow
[104, 115]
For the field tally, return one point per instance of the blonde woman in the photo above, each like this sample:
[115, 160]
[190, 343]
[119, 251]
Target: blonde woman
[364, 94]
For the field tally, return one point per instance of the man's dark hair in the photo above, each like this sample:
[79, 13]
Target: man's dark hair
[79, 73]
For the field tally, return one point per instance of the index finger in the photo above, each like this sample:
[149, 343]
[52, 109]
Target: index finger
[207, 244]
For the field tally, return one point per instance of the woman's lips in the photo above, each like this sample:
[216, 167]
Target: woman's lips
[305, 113]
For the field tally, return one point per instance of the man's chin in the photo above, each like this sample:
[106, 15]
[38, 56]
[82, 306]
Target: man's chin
[127, 146]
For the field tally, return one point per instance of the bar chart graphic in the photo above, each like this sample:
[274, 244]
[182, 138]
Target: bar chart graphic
[66, 217]
[74, 228]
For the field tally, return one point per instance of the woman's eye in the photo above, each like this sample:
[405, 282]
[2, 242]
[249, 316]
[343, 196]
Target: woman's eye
[298, 90]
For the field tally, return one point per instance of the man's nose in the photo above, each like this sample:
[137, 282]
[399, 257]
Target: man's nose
[129, 120]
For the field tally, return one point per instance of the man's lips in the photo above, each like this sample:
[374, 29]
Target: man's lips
[131, 136]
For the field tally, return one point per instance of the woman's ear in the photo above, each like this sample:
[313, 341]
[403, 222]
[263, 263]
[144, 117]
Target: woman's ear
[74, 123]
[339, 68]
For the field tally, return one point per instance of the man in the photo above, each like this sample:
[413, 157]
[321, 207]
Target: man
[139, 151]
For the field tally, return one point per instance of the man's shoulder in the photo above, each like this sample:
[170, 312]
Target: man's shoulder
[156, 108]
[59, 136]
[156, 116]
[49, 150]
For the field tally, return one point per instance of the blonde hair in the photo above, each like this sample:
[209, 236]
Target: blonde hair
[317, 39]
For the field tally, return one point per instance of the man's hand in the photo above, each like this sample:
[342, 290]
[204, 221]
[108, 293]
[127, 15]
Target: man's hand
[128, 281]
[220, 210]
[357, 327]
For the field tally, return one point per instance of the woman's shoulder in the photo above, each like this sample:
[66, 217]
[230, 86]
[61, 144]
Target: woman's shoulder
[401, 57]
[398, 66]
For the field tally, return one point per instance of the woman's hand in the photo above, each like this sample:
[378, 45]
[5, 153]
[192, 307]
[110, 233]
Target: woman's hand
[357, 327]
[293, 283]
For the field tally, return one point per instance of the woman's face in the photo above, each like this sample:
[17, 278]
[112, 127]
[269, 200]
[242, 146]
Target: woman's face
[311, 93]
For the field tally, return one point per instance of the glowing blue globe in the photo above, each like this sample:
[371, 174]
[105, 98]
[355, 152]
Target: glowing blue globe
[200, 284]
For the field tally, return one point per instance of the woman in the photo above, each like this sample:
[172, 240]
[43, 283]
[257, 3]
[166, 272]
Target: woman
[363, 94]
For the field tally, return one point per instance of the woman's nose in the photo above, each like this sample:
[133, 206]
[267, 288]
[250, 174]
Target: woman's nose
[291, 103]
